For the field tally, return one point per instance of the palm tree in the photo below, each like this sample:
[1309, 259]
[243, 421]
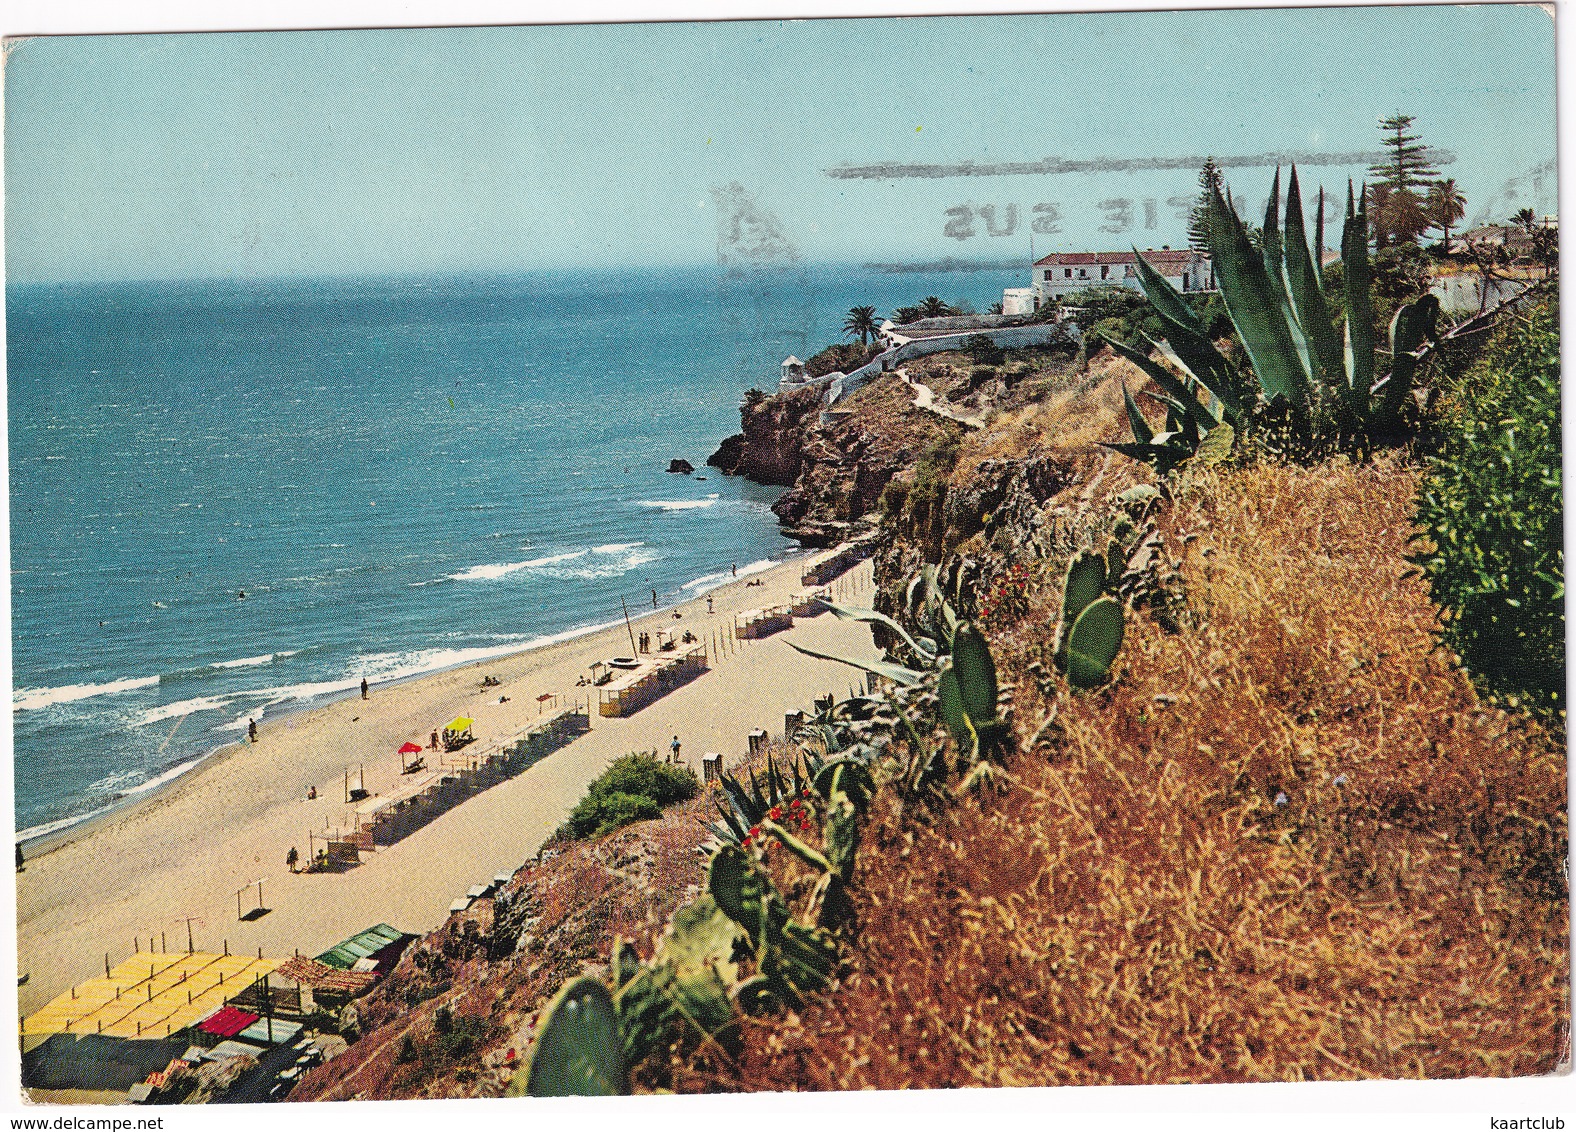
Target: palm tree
[861, 322]
[1546, 247]
[932, 307]
[1446, 205]
[1526, 219]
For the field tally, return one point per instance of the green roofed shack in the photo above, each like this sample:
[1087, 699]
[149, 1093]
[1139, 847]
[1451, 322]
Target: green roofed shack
[363, 945]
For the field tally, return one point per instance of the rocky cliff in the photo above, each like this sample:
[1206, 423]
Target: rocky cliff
[767, 447]
[836, 465]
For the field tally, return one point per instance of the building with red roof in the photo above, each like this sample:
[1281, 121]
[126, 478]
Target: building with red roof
[1062, 273]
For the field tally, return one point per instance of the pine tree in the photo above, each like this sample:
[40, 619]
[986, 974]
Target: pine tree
[1400, 183]
[1408, 165]
[1198, 223]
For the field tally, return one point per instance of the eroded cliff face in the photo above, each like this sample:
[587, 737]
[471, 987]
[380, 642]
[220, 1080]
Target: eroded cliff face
[768, 448]
[836, 469]
[880, 450]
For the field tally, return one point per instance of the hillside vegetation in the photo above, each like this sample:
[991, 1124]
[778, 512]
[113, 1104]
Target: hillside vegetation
[1172, 772]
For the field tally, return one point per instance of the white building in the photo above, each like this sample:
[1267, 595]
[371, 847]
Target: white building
[793, 370]
[1019, 300]
[1062, 273]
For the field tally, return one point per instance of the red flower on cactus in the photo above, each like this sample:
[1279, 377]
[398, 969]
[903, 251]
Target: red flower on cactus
[775, 813]
[745, 844]
[795, 806]
[755, 831]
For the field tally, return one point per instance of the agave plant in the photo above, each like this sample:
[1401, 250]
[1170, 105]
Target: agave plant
[1274, 295]
[743, 810]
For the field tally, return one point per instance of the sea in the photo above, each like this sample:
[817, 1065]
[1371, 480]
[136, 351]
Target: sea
[235, 499]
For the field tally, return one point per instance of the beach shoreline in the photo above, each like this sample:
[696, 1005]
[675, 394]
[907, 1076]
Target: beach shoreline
[130, 877]
[74, 828]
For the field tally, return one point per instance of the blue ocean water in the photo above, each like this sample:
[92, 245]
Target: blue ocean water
[400, 474]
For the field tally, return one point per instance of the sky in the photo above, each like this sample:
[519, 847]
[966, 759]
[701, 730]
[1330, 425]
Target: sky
[507, 149]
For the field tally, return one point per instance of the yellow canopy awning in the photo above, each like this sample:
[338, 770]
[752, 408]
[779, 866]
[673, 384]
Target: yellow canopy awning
[459, 723]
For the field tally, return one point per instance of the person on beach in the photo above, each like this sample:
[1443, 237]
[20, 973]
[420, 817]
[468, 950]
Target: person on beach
[433, 743]
[675, 747]
[708, 603]
[18, 856]
[311, 793]
[653, 599]
[735, 569]
[292, 858]
[251, 730]
[363, 687]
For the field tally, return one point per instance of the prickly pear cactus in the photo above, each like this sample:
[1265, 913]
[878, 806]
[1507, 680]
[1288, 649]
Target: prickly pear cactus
[1085, 582]
[976, 674]
[1092, 645]
[579, 1051]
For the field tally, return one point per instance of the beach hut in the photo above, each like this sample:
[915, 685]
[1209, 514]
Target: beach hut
[810, 604]
[753, 624]
[380, 942]
[650, 681]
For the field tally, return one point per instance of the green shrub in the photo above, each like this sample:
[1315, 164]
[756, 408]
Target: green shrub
[1118, 312]
[634, 788]
[843, 357]
[894, 498]
[926, 497]
[1491, 508]
[983, 351]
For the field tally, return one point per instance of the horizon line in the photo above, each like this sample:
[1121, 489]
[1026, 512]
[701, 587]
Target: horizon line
[742, 271]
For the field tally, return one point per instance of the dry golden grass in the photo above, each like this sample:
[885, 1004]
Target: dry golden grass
[1070, 420]
[1141, 906]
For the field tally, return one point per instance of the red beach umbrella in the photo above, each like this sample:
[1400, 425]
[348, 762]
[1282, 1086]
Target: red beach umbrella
[411, 749]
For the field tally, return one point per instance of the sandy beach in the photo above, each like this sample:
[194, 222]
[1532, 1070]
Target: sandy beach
[145, 871]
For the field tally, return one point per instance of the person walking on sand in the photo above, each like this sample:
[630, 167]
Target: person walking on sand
[735, 569]
[653, 599]
[363, 687]
[292, 858]
[708, 603]
[251, 730]
[675, 748]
